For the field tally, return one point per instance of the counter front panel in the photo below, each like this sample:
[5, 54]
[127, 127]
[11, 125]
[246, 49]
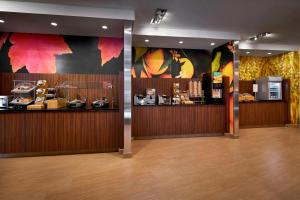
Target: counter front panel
[59, 132]
[178, 121]
[263, 113]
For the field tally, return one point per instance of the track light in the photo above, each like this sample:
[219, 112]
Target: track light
[261, 35]
[158, 16]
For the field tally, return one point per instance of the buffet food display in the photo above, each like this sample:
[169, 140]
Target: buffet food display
[246, 97]
[36, 95]
[193, 95]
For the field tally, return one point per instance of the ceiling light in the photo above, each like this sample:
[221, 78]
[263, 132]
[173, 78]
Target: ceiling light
[2, 21]
[269, 53]
[247, 52]
[158, 16]
[54, 24]
[104, 27]
[212, 44]
[146, 40]
[180, 42]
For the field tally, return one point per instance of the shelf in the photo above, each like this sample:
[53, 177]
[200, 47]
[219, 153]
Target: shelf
[23, 91]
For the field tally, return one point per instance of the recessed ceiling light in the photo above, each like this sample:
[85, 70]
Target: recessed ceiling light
[269, 53]
[146, 40]
[180, 42]
[247, 52]
[54, 24]
[104, 27]
[212, 44]
[2, 21]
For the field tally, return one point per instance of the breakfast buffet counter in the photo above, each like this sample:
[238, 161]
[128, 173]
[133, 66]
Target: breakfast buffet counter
[31, 131]
[264, 113]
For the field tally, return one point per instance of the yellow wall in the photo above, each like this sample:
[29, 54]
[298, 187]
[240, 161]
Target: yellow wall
[285, 65]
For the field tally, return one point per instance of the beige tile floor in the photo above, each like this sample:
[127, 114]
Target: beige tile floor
[263, 164]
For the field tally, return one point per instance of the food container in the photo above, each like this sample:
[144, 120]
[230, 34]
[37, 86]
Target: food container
[56, 103]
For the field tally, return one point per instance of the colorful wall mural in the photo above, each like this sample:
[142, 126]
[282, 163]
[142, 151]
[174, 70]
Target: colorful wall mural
[223, 62]
[169, 63]
[41, 53]
[285, 65]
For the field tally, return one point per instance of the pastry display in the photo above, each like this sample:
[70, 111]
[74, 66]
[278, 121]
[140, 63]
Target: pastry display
[41, 83]
[184, 98]
[23, 87]
[22, 101]
[103, 103]
[246, 97]
[31, 94]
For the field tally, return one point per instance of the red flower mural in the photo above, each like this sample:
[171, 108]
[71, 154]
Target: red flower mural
[110, 48]
[36, 51]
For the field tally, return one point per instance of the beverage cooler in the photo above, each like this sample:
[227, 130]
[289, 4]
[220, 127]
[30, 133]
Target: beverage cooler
[269, 88]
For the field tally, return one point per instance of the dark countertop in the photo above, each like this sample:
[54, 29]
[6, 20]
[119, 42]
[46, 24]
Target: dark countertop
[182, 105]
[62, 110]
[263, 101]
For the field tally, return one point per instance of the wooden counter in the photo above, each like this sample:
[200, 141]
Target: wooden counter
[178, 121]
[62, 131]
[59, 131]
[263, 114]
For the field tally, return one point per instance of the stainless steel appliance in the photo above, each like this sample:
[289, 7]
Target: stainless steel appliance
[4, 101]
[150, 96]
[139, 100]
[164, 100]
[269, 88]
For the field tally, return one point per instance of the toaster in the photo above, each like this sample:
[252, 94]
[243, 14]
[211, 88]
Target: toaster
[4, 101]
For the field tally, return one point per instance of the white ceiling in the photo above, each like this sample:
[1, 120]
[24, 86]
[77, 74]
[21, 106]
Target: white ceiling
[36, 23]
[173, 42]
[260, 53]
[205, 19]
